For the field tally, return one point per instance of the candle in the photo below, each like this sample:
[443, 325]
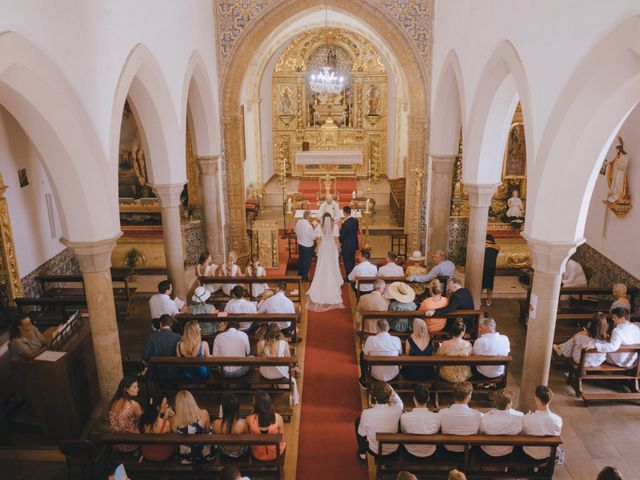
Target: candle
[353, 194]
[289, 205]
[367, 205]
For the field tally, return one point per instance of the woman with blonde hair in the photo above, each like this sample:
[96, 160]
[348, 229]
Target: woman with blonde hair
[418, 345]
[619, 291]
[457, 346]
[192, 345]
[275, 345]
[230, 269]
[190, 419]
[434, 302]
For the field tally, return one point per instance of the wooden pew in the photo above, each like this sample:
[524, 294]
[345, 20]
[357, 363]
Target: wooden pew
[471, 315]
[46, 312]
[579, 372]
[246, 463]
[568, 324]
[50, 286]
[371, 280]
[438, 385]
[220, 298]
[473, 461]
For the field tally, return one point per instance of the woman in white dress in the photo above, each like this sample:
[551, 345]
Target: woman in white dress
[254, 269]
[275, 345]
[595, 333]
[230, 269]
[206, 268]
[325, 292]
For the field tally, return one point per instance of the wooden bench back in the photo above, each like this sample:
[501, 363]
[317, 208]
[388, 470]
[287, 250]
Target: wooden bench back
[294, 318]
[434, 360]
[289, 279]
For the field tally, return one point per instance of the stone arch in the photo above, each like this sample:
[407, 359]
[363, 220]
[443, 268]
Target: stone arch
[243, 54]
[599, 96]
[502, 84]
[35, 92]
[448, 108]
[142, 81]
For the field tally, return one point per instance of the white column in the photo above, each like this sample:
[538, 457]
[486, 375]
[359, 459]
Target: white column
[95, 264]
[208, 169]
[441, 184]
[169, 196]
[479, 201]
[549, 260]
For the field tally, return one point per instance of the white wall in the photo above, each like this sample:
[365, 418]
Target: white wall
[620, 233]
[32, 234]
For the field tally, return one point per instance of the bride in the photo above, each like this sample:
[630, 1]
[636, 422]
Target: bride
[325, 292]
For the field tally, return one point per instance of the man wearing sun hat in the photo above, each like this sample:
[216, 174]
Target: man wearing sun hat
[403, 300]
[199, 306]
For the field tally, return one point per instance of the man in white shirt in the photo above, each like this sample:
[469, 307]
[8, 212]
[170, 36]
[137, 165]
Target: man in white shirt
[305, 236]
[331, 207]
[442, 268]
[573, 275]
[624, 333]
[364, 269]
[279, 303]
[383, 417]
[541, 423]
[382, 345]
[502, 420]
[420, 421]
[491, 343]
[162, 304]
[238, 305]
[459, 419]
[232, 343]
[390, 269]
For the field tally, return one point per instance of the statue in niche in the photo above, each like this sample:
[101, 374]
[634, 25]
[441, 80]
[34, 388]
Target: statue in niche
[617, 177]
[332, 58]
[514, 205]
[286, 104]
[516, 161]
[373, 100]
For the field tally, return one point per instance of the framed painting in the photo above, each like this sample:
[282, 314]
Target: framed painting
[515, 154]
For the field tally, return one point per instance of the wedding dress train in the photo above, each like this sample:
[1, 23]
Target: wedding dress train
[325, 292]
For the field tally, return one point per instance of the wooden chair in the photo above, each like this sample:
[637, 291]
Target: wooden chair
[399, 245]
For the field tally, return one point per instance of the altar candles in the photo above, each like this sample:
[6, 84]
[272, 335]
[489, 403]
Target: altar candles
[353, 194]
[367, 206]
[289, 205]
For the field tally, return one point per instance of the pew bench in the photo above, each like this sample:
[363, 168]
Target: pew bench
[60, 286]
[220, 298]
[473, 461]
[371, 280]
[247, 464]
[47, 312]
[568, 324]
[438, 385]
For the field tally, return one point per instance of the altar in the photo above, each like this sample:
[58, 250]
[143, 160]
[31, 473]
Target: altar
[337, 162]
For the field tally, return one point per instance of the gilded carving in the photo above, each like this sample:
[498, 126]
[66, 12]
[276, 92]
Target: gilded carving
[9, 274]
[193, 185]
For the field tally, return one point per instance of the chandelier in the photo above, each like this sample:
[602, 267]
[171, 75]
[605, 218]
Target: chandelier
[326, 82]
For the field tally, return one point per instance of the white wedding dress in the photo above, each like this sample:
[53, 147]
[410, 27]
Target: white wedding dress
[325, 292]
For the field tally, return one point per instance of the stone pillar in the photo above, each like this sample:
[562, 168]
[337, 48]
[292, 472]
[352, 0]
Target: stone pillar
[441, 184]
[95, 263]
[549, 259]
[208, 168]
[479, 201]
[169, 196]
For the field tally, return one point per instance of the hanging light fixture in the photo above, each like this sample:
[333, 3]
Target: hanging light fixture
[326, 81]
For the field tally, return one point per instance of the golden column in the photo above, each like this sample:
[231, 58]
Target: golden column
[9, 274]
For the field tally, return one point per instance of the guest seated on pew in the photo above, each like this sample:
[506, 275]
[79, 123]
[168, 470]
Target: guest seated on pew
[456, 474]
[619, 291]
[161, 303]
[403, 300]
[418, 345]
[254, 269]
[232, 343]
[609, 473]
[124, 411]
[406, 476]
[457, 346]
[26, 340]
[230, 472]
[442, 268]
[390, 269]
[192, 345]
[434, 301]
[157, 419]
[190, 419]
[385, 345]
[490, 343]
[240, 305]
[231, 424]
[162, 343]
[275, 345]
[230, 269]
[199, 306]
[542, 422]
[460, 299]
[414, 267]
[206, 268]
[502, 420]
[363, 269]
[459, 419]
[596, 332]
[573, 275]
[420, 421]
[264, 420]
[372, 302]
[279, 303]
[624, 333]
[382, 417]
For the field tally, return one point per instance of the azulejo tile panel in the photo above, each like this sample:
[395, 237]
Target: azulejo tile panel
[64, 263]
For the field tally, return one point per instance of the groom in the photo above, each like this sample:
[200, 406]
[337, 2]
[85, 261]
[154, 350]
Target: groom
[349, 240]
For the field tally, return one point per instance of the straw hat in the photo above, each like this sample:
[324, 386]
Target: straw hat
[200, 295]
[416, 256]
[402, 292]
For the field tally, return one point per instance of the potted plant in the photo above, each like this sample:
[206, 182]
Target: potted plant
[132, 259]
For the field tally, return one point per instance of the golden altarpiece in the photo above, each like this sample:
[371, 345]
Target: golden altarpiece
[351, 120]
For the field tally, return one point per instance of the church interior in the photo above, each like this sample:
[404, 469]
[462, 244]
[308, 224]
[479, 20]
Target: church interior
[214, 213]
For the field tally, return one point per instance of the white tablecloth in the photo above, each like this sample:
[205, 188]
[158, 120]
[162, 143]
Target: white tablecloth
[325, 157]
[314, 214]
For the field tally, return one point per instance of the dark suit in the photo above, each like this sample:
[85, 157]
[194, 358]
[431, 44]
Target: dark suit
[461, 299]
[349, 243]
[162, 344]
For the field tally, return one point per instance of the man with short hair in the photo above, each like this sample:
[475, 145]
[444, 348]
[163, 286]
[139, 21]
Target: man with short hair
[406, 476]
[162, 343]
[502, 420]
[232, 343]
[348, 239]
[442, 268]
[420, 421]
[459, 419]
[161, 303]
[305, 236]
[382, 417]
[490, 343]
[383, 345]
[364, 269]
[240, 305]
[372, 302]
[279, 303]
[624, 333]
[542, 422]
[390, 269]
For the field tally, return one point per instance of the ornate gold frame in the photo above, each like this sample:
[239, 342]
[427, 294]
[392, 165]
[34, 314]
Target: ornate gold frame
[9, 273]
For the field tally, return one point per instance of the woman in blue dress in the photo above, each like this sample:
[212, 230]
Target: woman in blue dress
[419, 344]
[192, 345]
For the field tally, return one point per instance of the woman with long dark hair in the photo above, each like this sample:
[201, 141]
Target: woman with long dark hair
[124, 411]
[264, 420]
[231, 424]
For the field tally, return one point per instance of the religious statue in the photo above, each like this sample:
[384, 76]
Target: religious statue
[617, 177]
[332, 58]
[373, 100]
[285, 102]
[516, 163]
[515, 205]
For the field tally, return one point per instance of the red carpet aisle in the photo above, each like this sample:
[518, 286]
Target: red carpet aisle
[330, 399]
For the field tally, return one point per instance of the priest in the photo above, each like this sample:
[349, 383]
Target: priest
[330, 206]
